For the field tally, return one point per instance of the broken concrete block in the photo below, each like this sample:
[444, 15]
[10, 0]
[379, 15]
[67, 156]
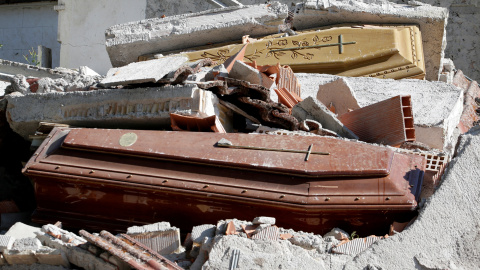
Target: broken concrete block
[19, 256]
[160, 237]
[437, 106]
[202, 257]
[338, 233]
[109, 108]
[143, 72]
[389, 122]
[242, 71]
[13, 68]
[339, 95]
[355, 246]
[20, 230]
[69, 244]
[431, 21]
[448, 225]
[51, 256]
[6, 242]
[264, 220]
[29, 243]
[311, 108]
[202, 231]
[126, 42]
[265, 254]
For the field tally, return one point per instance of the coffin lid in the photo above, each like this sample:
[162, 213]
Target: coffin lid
[346, 158]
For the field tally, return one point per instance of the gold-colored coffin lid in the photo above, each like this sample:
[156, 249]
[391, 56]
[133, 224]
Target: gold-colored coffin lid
[394, 52]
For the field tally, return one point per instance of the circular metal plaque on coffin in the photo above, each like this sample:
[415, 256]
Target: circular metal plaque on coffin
[128, 139]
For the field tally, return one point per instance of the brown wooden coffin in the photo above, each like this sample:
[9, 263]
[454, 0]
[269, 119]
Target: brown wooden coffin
[110, 179]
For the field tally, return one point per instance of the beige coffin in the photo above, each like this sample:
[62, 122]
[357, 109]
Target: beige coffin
[394, 52]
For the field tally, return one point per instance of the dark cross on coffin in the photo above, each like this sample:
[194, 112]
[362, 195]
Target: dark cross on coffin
[339, 44]
[226, 143]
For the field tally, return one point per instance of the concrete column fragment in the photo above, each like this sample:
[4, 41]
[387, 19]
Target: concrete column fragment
[126, 42]
[114, 108]
[311, 108]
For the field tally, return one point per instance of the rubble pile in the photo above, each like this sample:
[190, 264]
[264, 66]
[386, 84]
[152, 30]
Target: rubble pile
[243, 144]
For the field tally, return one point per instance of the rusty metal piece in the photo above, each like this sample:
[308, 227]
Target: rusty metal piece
[387, 122]
[135, 255]
[247, 89]
[109, 247]
[196, 123]
[239, 111]
[270, 114]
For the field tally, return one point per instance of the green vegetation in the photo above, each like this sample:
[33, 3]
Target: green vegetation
[32, 59]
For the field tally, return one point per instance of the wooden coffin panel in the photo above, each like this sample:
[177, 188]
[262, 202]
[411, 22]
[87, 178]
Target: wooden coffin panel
[110, 191]
[394, 51]
[345, 158]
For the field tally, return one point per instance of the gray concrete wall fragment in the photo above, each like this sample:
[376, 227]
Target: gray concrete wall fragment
[143, 72]
[125, 42]
[13, 68]
[108, 108]
[260, 254]
[446, 233]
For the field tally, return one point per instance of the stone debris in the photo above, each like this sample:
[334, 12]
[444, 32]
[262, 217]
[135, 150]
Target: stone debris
[159, 237]
[153, 85]
[143, 72]
[313, 109]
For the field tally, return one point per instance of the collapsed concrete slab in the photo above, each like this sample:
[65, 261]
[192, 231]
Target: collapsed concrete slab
[126, 42]
[266, 254]
[114, 108]
[437, 106]
[13, 68]
[143, 72]
[445, 235]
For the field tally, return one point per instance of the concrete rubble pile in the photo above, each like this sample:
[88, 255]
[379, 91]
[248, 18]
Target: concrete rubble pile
[429, 126]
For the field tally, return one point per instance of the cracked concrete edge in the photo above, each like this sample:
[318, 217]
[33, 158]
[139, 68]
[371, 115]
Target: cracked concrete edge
[446, 232]
[14, 68]
[107, 108]
[125, 42]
